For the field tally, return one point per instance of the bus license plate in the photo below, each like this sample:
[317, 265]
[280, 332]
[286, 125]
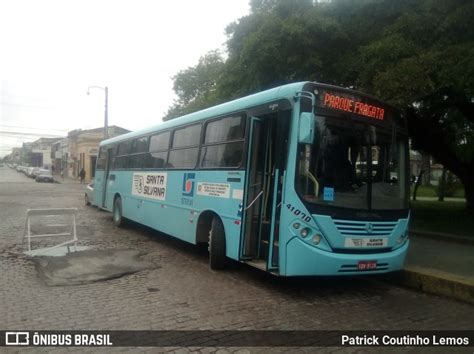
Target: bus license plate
[367, 265]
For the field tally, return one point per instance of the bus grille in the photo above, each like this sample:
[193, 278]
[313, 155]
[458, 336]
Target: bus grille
[362, 251]
[365, 228]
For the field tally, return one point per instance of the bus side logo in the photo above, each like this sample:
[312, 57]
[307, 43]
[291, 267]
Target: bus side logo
[139, 183]
[188, 184]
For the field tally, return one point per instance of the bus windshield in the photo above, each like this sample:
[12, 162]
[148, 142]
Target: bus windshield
[354, 165]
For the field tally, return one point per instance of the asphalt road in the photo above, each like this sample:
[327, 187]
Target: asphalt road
[183, 293]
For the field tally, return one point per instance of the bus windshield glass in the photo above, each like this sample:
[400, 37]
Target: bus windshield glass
[354, 165]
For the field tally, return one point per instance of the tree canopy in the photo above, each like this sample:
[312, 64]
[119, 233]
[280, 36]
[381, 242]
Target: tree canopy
[415, 54]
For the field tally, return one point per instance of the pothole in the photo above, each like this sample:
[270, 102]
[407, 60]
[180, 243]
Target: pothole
[90, 266]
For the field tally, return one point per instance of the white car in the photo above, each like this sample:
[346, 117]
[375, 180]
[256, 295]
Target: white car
[44, 176]
[35, 172]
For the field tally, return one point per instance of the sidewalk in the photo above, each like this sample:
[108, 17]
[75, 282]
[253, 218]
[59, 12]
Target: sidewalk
[439, 264]
[68, 180]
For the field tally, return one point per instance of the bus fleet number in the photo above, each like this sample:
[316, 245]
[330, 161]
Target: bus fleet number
[299, 213]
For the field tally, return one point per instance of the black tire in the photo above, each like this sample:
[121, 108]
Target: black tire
[217, 258]
[119, 220]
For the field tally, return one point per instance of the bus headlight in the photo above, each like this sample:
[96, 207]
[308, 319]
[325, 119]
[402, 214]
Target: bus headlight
[316, 239]
[402, 238]
[305, 232]
[296, 225]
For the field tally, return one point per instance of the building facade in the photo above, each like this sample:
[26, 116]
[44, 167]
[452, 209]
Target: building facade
[37, 153]
[83, 148]
[59, 157]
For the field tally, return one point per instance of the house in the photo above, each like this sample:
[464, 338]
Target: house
[38, 153]
[83, 148]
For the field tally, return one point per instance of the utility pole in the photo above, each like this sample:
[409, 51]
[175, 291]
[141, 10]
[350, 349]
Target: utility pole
[106, 108]
[106, 114]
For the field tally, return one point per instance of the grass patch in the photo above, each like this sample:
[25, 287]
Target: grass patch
[443, 217]
[459, 193]
[425, 191]
[432, 191]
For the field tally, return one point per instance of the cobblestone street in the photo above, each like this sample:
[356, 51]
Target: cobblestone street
[183, 293]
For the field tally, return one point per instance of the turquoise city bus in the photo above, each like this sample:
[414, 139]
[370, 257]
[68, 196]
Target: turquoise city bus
[301, 179]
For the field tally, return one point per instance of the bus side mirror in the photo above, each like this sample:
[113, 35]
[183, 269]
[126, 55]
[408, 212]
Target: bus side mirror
[306, 128]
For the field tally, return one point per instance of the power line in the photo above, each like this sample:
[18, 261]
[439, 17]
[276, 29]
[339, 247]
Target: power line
[7, 133]
[16, 105]
[17, 126]
[10, 94]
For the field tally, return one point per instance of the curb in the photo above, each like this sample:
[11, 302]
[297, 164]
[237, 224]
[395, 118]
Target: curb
[443, 237]
[436, 282]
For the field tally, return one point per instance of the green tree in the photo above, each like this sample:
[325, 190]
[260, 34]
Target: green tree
[196, 86]
[415, 54]
[424, 62]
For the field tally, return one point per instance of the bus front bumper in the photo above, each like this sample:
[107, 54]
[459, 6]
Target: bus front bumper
[305, 260]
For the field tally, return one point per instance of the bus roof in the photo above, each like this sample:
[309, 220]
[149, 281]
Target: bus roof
[280, 92]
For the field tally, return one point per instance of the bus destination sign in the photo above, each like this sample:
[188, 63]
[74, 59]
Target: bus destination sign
[352, 104]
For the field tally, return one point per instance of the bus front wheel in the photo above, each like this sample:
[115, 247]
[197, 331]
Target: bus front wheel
[119, 220]
[217, 258]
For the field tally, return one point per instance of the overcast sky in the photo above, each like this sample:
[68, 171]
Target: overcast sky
[51, 51]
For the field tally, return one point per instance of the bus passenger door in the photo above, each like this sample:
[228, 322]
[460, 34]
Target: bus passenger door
[253, 198]
[266, 161]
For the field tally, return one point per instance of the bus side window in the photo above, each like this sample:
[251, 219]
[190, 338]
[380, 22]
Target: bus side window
[157, 151]
[101, 159]
[139, 148]
[185, 147]
[223, 143]
[123, 151]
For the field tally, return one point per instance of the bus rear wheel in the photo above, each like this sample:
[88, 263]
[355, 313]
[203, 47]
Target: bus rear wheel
[217, 257]
[119, 220]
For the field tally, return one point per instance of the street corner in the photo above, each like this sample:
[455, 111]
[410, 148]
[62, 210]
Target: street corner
[89, 266]
[432, 281]
[438, 283]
